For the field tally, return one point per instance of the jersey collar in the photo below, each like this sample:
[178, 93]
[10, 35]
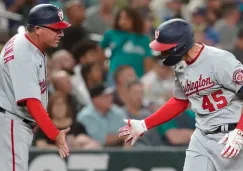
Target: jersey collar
[199, 53]
[27, 37]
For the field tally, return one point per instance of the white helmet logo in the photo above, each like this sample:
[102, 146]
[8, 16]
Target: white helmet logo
[156, 34]
[60, 15]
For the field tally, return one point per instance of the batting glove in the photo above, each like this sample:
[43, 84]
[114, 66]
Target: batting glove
[133, 130]
[234, 142]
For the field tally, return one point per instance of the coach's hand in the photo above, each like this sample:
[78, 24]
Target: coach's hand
[133, 130]
[234, 142]
[62, 144]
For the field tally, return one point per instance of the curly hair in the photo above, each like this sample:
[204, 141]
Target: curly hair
[137, 20]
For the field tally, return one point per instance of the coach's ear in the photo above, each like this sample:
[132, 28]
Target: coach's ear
[38, 30]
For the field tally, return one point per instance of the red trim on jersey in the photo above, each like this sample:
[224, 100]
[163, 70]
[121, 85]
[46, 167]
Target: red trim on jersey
[42, 119]
[182, 100]
[21, 100]
[9, 58]
[172, 108]
[199, 53]
[27, 37]
[12, 145]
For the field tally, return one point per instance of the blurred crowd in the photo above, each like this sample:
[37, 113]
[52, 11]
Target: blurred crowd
[104, 71]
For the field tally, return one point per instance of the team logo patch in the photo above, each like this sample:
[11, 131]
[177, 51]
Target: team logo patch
[60, 15]
[238, 77]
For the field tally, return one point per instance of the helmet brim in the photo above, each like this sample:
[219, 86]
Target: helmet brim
[59, 25]
[157, 46]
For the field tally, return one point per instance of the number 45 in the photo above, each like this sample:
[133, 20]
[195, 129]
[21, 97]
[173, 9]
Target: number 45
[217, 97]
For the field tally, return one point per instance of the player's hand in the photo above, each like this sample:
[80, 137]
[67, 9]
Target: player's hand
[62, 144]
[133, 130]
[234, 142]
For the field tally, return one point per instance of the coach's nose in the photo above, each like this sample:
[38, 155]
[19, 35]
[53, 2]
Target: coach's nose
[61, 33]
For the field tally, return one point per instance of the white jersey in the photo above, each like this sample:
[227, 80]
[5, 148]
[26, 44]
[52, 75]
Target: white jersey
[210, 83]
[22, 75]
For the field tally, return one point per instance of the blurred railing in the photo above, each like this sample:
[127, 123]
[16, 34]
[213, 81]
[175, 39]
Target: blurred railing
[110, 159]
[11, 15]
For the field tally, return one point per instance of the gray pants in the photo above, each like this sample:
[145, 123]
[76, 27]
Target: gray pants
[15, 141]
[203, 154]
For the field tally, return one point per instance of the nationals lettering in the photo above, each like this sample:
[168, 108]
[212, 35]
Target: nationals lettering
[192, 87]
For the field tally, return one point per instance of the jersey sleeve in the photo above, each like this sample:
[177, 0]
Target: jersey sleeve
[24, 77]
[229, 73]
[178, 92]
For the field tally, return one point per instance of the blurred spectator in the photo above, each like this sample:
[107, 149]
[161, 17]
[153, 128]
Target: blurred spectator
[63, 60]
[149, 25]
[99, 17]
[227, 28]
[190, 6]
[75, 14]
[198, 21]
[178, 131]
[102, 118]
[238, 48]
[135, 110]
[150, 20]
[15, 6]
[84, 52]
[62, 82]
[89, 3]
[129, 45]
[122, 76]
[61, 115]
[4, 36]
[92, 74]
[49, 70]
[213, 11]
[158, 85]
[173, 9]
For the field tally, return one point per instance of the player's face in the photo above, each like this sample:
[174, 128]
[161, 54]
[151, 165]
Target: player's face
[52, 36]
[165, 54]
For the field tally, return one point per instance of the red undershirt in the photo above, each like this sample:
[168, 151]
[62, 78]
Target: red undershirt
[172, 108]
[42, 119]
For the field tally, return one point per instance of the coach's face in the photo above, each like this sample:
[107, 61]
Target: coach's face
[51, 37]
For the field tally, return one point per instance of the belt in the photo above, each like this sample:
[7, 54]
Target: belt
[224, 128]
[31, 124]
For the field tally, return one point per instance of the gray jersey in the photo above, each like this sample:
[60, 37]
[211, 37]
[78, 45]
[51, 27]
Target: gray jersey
[210, 84]
[22, 75]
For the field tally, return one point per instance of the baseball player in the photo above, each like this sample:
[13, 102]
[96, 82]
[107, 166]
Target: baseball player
[210, 79]
[23, 91]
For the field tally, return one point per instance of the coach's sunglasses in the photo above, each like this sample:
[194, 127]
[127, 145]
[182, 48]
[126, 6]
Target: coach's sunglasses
[52, 29]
